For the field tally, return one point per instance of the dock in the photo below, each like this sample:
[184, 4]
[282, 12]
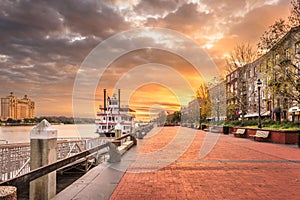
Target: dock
[235, 168]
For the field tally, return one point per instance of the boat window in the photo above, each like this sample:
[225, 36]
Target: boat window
[113, 118]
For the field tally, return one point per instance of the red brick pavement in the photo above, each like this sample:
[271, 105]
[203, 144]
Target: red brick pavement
[236, 168]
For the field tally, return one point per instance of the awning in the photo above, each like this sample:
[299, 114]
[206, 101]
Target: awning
[267, 113]
[294, 109]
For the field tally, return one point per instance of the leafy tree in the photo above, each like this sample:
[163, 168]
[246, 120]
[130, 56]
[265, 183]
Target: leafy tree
[294, 18]
[271, 36]
[279, 28]
[203, 94]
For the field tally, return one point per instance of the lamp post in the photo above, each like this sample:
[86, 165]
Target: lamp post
[218, 111]
[259, 83]
[200, 108]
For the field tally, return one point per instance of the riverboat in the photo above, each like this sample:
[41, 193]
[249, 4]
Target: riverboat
[112, 117]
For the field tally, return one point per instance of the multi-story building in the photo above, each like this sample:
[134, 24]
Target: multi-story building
[190, 115]
[217, 94]
[279, 71]
[17, 109]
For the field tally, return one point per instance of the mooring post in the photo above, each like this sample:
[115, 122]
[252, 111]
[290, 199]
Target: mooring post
[43, 147]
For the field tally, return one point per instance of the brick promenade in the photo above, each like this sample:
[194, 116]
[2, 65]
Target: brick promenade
[236, 168]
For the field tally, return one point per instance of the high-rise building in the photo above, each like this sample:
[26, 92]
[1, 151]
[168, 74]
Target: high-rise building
[17, 109]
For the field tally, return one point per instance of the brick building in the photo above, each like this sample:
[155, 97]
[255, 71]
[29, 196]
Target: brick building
[279, 71]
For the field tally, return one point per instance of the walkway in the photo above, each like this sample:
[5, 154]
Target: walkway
[236, 168]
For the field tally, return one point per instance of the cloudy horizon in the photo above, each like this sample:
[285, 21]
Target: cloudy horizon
[44, 43]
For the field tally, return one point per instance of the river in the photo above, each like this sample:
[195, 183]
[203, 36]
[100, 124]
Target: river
[19, 134]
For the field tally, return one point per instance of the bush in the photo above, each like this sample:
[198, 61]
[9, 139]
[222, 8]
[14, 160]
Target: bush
[266, 123]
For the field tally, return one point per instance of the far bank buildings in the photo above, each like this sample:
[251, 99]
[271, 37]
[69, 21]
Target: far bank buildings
[16, 109]
[239, 90]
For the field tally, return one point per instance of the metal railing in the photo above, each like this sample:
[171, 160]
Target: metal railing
[15, 158]
[36, 173]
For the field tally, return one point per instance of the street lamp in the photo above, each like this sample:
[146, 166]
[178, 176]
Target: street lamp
[259, 83]
[200, 108]
[218, 111]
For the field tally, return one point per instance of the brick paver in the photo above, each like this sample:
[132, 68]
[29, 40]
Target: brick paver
[236, 168]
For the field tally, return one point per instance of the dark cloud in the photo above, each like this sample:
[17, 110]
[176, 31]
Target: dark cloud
[43, 43]
[186, 19]
[156, 7]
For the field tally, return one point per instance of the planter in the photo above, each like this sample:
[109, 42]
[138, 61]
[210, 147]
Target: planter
[284, 137]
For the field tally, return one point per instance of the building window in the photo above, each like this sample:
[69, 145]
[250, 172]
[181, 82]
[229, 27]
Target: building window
[277, 59]
[297, 47]
[287, 54]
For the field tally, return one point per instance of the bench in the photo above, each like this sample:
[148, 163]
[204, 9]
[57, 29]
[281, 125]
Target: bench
[213, 130]
[260, 135]
[239, 132]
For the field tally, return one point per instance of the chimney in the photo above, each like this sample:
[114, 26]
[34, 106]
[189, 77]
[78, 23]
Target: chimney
[119, 98]
[104, 98]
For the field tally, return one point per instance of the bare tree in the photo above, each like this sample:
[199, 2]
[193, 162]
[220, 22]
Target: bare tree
[242, 54]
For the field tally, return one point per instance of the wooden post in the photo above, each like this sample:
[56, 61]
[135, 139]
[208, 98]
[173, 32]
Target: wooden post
[43, 147]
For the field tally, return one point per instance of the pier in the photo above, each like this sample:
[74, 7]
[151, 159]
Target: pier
[236, 168]
[166, 163]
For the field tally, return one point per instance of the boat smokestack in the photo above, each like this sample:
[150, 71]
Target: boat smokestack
[119, 98]
[104, 99]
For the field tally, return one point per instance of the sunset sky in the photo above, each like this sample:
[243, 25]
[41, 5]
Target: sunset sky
[51, 50]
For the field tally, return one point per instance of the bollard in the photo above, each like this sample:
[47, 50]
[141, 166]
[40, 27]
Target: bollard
[8, 193]
[118, 130]
[139, 135]
[114, 154]
[43, 147]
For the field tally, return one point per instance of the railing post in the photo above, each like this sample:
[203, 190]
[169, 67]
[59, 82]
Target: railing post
[43, 148]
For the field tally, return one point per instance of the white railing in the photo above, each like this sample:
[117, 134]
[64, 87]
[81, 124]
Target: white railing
[15, 158]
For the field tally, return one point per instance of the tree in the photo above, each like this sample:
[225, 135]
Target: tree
[271, 36]
[279, 28]
[203, 94]
[294, 18]
[242, 54]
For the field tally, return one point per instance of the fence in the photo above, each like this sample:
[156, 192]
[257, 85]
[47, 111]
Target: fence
[15, 158]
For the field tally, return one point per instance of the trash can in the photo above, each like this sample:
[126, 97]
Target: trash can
[203, 126]
[226, 130]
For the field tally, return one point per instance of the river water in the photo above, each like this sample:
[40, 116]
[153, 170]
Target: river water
[19, 134]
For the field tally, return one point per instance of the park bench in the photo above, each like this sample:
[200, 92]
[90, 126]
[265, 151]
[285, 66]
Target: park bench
[240, 132]
[213, 129]
[260, 135]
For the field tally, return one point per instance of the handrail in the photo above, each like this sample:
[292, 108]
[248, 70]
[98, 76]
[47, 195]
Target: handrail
[41, 171]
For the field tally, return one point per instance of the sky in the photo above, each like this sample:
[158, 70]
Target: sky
[62, 54]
